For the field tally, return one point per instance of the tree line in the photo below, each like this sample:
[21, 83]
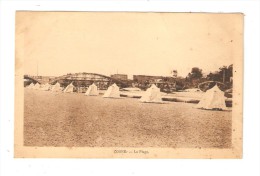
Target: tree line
[224, 75]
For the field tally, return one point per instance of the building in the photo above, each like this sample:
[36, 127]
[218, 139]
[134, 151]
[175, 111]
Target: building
[122, 77]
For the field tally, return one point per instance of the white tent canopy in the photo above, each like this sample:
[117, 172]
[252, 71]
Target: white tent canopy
[37, 86]
[213, 99]
[30, 86]
[92, 90]
[152, 95]
[112, 92]
[69, 88]
[56, 87]
[46, 87]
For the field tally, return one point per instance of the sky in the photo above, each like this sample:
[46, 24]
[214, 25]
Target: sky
[125, 43]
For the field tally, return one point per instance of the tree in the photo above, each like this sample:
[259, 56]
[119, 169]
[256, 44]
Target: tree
[223, 75]
[174, 73]
[196, 73]
[194, 77]
[226, 73]
[214, 76]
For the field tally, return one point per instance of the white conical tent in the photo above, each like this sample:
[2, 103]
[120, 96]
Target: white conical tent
[69, 88]
[213, 99]
[56, 87]
[152, 95]
[46, 87]
[30, 86]
[41, 86]
[92, 90]
[51, 86]
[37, 86]
[112, 92]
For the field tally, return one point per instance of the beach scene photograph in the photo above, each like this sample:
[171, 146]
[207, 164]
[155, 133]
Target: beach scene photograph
[124, 79]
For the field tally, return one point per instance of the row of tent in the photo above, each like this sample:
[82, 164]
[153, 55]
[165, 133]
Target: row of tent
[213, 99]
[92, 89]
[45, 87]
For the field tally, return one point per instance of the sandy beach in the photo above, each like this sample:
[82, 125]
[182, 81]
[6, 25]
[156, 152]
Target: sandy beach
[75, 120]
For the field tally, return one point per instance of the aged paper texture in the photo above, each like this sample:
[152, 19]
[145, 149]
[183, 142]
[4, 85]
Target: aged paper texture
[128, 85]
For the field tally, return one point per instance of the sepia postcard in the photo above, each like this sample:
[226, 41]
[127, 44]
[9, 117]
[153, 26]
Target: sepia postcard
[128, 85]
